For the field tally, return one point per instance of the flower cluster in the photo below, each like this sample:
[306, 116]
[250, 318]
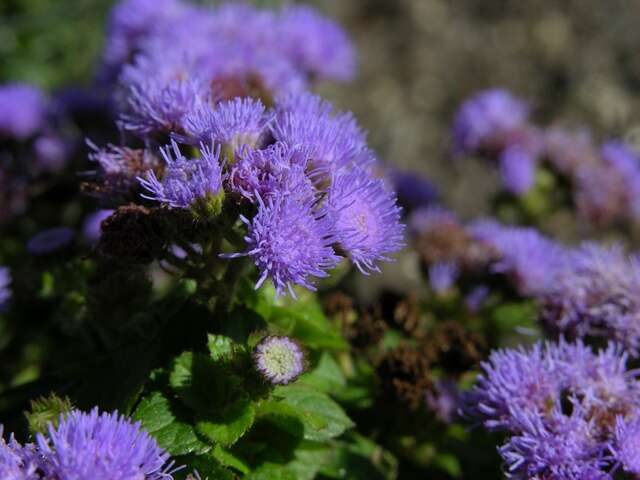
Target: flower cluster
[171, 57]
[604, 180]
[87, 445]
[570, 412]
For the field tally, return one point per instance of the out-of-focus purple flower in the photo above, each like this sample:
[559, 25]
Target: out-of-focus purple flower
[600, 194]
[567, 150]
[597, 294]
[367, 219]
[17, 462]
[130, 23]
[334, 140]
[233, 123]
[91, 228]
[444, 402]
[23, 108]
[316, 44]
[561, 402]
[443, 275]
[626, 163]
[276, 170]
[122, 161]
[517, 169]
[413, 191]
[51, 152]
[50, 240]
[476, 298]
[5, 288]
[101, 446]
[185, 181]
[530, 259]
[626, 444]
[486, 118]
[280, 360]
[290, 242]
[430, 218]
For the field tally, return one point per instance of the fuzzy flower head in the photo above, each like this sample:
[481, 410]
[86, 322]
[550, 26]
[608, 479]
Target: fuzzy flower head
[280, 360]
[290, 241]
[626, 445]
[17, 462]
[596, 294]
[517, 169]
[316, 43]
[443, 275]
[101, 446]
[23, 110]
[487, 118]
[367, 218]
[233, 123]
[531, 260]
[626, 163]
[185, 181]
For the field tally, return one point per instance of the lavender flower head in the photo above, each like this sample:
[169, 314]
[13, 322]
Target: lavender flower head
[5, 288]
[413, 191]
[626, 444]
[17, 462]
[525, 392]
[517, 169]
[367, 218]
[23, 110]
[290, 241]
[596, 294]
[50, 240]
[626, 162]
[91, 228]
[531, 260]
[101, 446]
[316, 43]
[279, 359]
[443, 275]
[487, 118]
[233, 123]
[185, 181]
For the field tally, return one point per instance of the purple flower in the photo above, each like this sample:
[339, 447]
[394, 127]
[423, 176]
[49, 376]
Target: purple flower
[600, 194]
[290, 241]
[334, 140]
[517, 169]
[476, 298]
[17, 462]
[531, 260]
[233, 123]
[444, 401]
[5, 288]
[443, 275]
[50, 240]
[130, 23]
[626, 163]
[486, 118]
[101, 446]
[51, 152]
[367, 219]
[185, 181]
[276, 170]
[413, 191]
[316, 44]
[596, 294]
[626, 444]
[428, 219]
[23, 110]
[567, 150]
[280, 360]
[91, 228]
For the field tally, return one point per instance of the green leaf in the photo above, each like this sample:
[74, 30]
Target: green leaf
[320, 416]
[154, 412]
[271, 471]
[227, 427]
[228, 459]
[327, 376]
[221, 348]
